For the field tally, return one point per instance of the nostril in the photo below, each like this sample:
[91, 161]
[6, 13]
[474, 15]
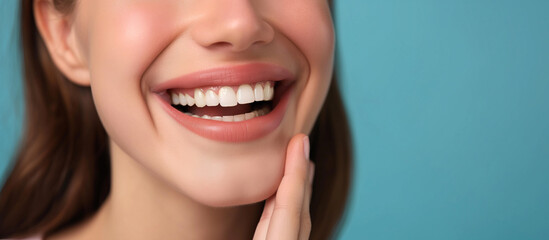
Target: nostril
[221, 45]
[236, 46]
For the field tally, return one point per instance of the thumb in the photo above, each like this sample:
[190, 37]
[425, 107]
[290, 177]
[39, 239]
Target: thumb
[285, 222]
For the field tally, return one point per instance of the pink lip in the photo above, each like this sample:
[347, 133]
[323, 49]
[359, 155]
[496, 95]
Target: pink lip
[247, 130]
[228, 76]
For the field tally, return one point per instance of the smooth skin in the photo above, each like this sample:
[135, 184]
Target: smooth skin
[285, 215]
[167, 182]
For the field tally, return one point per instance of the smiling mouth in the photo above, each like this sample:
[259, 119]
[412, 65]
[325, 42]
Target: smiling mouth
[225, 103]
[232, 104]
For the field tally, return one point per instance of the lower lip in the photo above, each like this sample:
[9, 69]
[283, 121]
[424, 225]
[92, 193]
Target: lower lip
[243, 131]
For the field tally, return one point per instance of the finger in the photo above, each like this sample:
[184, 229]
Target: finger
[286, 218]
[263, 225]
[305, 229]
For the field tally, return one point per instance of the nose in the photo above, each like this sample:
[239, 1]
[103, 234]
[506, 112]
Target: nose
[233, 25]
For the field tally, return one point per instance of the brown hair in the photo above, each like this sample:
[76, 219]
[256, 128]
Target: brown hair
[61, 174]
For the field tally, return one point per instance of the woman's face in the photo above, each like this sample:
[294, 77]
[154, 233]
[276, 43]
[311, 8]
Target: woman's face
[145, 56]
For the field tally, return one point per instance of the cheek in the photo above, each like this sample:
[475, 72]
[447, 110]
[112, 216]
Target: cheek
[130, 37]
[312, 32]
[124, 40]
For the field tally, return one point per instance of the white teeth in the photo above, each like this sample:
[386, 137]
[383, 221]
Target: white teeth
[250, 115]
[211, 98]
[199, 98]
[182, 99]
[258, 92]
[190, 100]
[268, 92]
[227, 98]
[245, 94]
[235, 118]
[175, 98]
[239, 117]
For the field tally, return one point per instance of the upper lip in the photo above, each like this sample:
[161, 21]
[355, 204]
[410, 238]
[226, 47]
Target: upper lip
[228, 76]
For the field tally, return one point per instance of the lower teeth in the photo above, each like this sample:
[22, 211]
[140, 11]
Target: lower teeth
[235, 118]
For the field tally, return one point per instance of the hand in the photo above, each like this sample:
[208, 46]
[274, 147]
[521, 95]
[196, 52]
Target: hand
[286, 214]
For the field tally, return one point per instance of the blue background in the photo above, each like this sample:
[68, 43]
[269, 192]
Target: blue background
[448, 102]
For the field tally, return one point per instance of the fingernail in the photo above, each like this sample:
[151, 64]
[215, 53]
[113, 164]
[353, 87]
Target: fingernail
[306, 146]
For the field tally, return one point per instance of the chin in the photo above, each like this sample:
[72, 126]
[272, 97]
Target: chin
[230, 176]
[230, 196]
[235, 189]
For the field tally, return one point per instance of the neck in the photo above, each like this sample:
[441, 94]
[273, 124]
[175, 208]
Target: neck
[142, 206]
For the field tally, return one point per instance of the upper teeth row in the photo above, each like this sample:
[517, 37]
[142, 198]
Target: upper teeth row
[226, 97]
